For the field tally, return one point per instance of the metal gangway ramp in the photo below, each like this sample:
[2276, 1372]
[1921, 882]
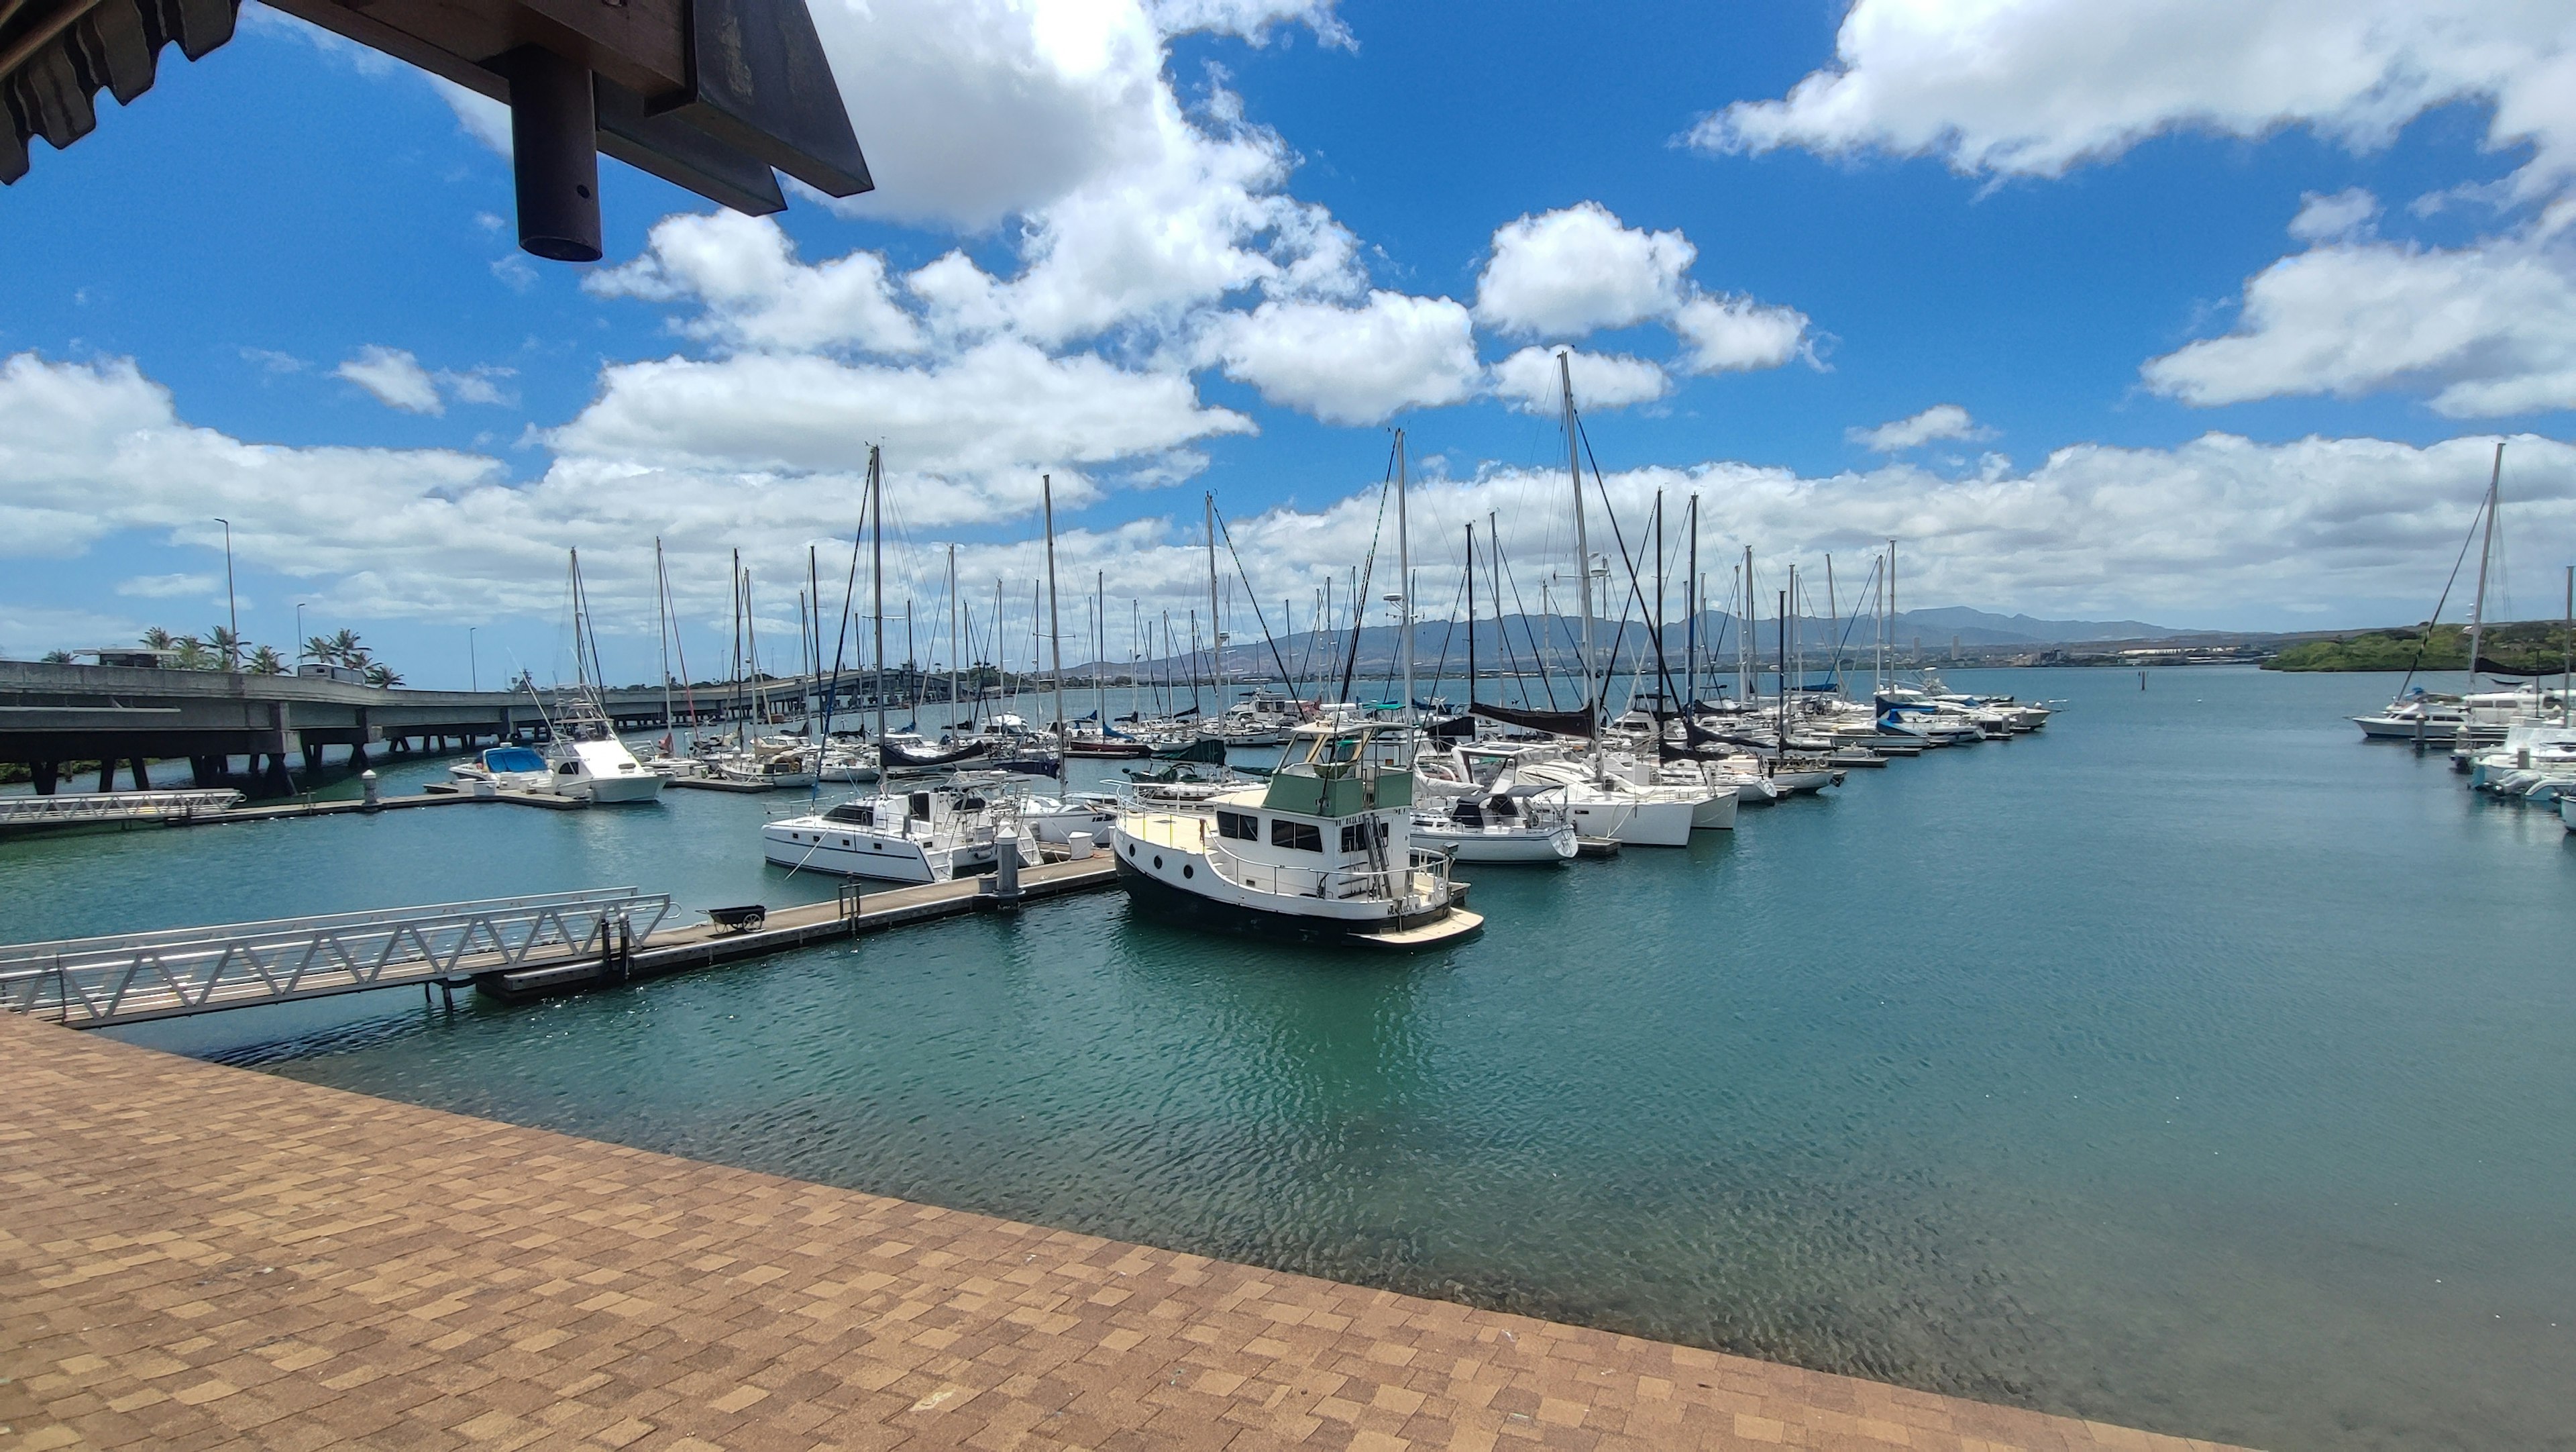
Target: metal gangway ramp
[131, 977]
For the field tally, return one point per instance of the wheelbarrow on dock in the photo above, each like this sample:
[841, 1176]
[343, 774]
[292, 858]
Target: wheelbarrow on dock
[745, 919]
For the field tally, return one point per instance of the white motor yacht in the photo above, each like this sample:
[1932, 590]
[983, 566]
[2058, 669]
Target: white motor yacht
[1325, 852]
[586, 759]
[1515, 824]
[935, 834]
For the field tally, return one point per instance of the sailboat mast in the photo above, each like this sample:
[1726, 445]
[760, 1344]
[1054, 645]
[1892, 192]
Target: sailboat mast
[1403, 578]
[739, 708]
[1055, 632]
[953, 655]
[2478, 608]
[1216, 633]
[1690, 647]
[1100, 650]
[662, 626]
[876, 586]
[1471, 617]
[1748, 683]
[1582, 542]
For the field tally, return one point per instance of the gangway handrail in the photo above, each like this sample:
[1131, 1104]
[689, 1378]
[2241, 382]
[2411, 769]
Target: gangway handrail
[263, 927]
[95, 982]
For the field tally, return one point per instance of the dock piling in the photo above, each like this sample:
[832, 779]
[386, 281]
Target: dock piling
[1006, 870]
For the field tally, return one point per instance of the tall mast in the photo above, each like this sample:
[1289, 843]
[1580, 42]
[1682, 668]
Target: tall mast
[1690, 667]
[953, 654]
[2567, 663]
[1100, 650]
[1892, 611]
[1471, 617]
[876, 584]
[814, 676]
[1055, 632]
[1403, 578]
[1216, 632]
[1582, 542]
[1663, 686]
[662, 625]
[737, 648]
[1781, 747]
[1748, 680]
[2478, 609]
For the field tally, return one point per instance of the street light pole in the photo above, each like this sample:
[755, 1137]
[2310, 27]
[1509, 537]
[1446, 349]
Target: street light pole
[473, 676]
[232, 605]
[299, 632]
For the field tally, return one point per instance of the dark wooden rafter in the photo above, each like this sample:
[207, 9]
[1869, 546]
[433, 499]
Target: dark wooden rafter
[710, 95]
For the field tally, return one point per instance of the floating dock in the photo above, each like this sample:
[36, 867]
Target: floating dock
[513, 948]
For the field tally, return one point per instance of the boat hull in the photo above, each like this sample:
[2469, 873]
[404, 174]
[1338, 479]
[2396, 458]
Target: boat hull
[1501, 847]
[1634, 823]
[848, 851]
[1178, 904]
[623, 790]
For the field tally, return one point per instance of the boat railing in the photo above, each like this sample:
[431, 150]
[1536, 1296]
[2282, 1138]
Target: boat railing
[73, 807]
[1423, 881]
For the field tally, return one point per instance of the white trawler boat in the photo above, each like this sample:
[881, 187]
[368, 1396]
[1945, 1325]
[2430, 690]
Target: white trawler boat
[1325, 852]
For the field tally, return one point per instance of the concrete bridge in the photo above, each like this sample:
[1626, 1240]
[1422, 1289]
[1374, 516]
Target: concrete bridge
[52, 714]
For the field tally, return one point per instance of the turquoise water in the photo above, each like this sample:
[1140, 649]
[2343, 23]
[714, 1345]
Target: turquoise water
[2188, 1065]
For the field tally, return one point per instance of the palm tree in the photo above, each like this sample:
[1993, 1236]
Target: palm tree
[58, 657]
[382, 676]
[345, 649]
[265, 661]
[193, 655]
[158, 639]
[319, 648]
[226, 645]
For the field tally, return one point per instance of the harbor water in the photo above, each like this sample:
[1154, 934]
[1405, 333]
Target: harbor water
[2189, 1065]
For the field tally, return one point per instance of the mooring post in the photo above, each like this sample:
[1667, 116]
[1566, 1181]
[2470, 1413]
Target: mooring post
[1006, 870]
[372, 803]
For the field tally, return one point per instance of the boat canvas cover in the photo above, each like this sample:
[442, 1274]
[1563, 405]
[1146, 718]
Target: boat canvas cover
[1555, 723]
[903, 756]
[512, 758]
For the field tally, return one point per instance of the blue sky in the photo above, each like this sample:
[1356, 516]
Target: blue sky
[2217, 308]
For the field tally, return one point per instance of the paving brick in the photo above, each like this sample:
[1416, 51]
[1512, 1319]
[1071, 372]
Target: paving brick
[229, 1258]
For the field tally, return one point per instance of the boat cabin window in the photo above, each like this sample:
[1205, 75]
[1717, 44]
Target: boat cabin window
[1242, 826]
[568, 768]
[1301, 836]
[1355, 835]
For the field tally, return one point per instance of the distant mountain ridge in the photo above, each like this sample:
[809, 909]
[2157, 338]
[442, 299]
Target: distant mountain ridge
[1720, 636]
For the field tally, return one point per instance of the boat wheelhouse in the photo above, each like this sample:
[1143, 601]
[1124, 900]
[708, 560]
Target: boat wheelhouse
[1323, 852]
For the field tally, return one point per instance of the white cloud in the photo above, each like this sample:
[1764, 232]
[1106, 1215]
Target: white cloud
[395, 377]
[2488, 329]
[1353, 365]
[2346, 215]
[1737, 334]
[1529, 381]
[1566, 273]
[755, 294]
[477, 115]
[481, 384]
[168, 587]
[1940, 421]
[2218, 523]
[1251, 20]
[2034, 87]
[997, 411]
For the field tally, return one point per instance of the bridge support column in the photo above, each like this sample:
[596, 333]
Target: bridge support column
[107, 773]
[46, 775]
[278, 781]
[358, 757]
[312, 759]
[142, 778]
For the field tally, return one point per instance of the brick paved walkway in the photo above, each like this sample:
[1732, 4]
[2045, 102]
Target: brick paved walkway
[195, 1257]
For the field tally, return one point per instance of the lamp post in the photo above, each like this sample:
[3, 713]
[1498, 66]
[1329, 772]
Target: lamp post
[473, 676]
[299, 632]
[232, 605]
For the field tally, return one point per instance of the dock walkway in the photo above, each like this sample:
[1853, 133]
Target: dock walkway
[201, 1257]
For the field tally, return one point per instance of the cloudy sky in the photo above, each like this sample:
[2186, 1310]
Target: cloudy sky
[2206, 312]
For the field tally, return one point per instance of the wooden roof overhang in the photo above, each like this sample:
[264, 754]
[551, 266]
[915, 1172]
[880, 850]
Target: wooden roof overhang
[709, 95]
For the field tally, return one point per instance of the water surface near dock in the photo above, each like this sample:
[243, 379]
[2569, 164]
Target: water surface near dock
[2188, 1065]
